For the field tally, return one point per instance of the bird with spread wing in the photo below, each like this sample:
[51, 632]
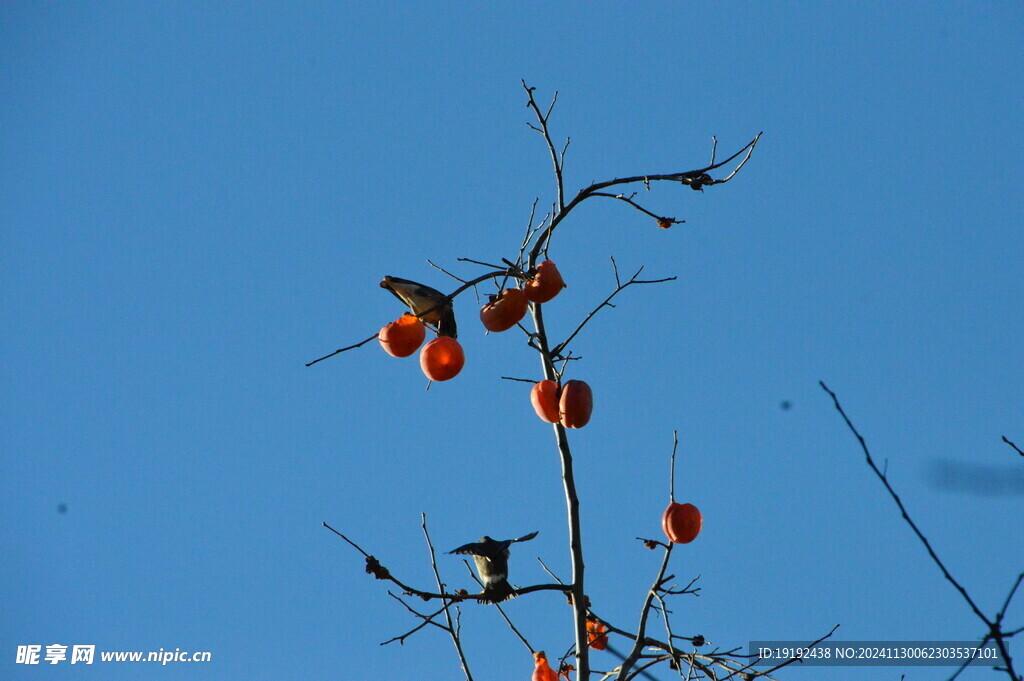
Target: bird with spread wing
[491, 558]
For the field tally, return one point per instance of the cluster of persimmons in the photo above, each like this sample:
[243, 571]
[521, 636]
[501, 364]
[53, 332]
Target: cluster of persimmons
[570, 404]
[443, 358]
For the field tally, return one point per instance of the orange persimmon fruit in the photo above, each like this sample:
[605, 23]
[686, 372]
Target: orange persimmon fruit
[542, 671]
[442, 358]
[681, 522]
[597, 635]
[403, 336]
[545, 285]
[504, 310]
[575, 404]
[544, 397]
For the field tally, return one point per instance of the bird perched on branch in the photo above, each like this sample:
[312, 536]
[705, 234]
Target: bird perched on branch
[491, 558]
[421, 298]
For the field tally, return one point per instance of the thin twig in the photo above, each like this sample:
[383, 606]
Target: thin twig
[456, 638]
[427, 619]
[797, 659]
[438, 267]
[906, 516]
[501, 610]
[641, 632]
[668, 625]
[750, 150]
[547, 570]
[557, 350]
[967, 662]
[480, 262]
[1009, 597]
[444, 301]
[529, 234]
[380, 572]
[341, 350]
[672, 467]
[630, 201]
[543, 130]
[1015, 447]
[695, 179]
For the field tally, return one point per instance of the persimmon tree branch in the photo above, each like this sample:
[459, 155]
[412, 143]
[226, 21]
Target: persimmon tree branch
[696, 179]
[572, 501]
[375, 568]
[641, 632]
[994, 630]
[1015, 447]
[903, 510]
[341, 350]
[788, 662]
[427, 620]
[447, 299]
[619, 287]
[672, 467]
[500, 610]
[556, 158]
[453, 628]
[663, 222]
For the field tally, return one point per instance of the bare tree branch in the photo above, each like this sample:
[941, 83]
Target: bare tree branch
[557, 350]
[1009, 597]
[427, 619]
[438, 267]
[374, 567]
[994, 628]
[672, 467]
[447, 299]
[1015, 447]
[452, 630]
[543, 130]
[903, 511]
[695, 179]
[641, 632]
[663, 222]
[341, 350]
[501, 610]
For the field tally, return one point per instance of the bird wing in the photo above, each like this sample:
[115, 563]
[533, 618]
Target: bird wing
[473, 549]
[421, 298]
[525, 537]
[409, 291]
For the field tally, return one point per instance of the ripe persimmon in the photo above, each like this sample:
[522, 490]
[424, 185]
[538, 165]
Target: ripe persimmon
[575, 404]
[504, 310]
[403, 336]
[597, 635]
[545, 285]
[681, 522]
[544, 397]
[442, 358]
[542, 671]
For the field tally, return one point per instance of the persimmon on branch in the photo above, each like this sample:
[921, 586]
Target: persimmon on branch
[446, 300]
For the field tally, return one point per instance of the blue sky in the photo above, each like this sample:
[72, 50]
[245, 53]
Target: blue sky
[197, 198]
